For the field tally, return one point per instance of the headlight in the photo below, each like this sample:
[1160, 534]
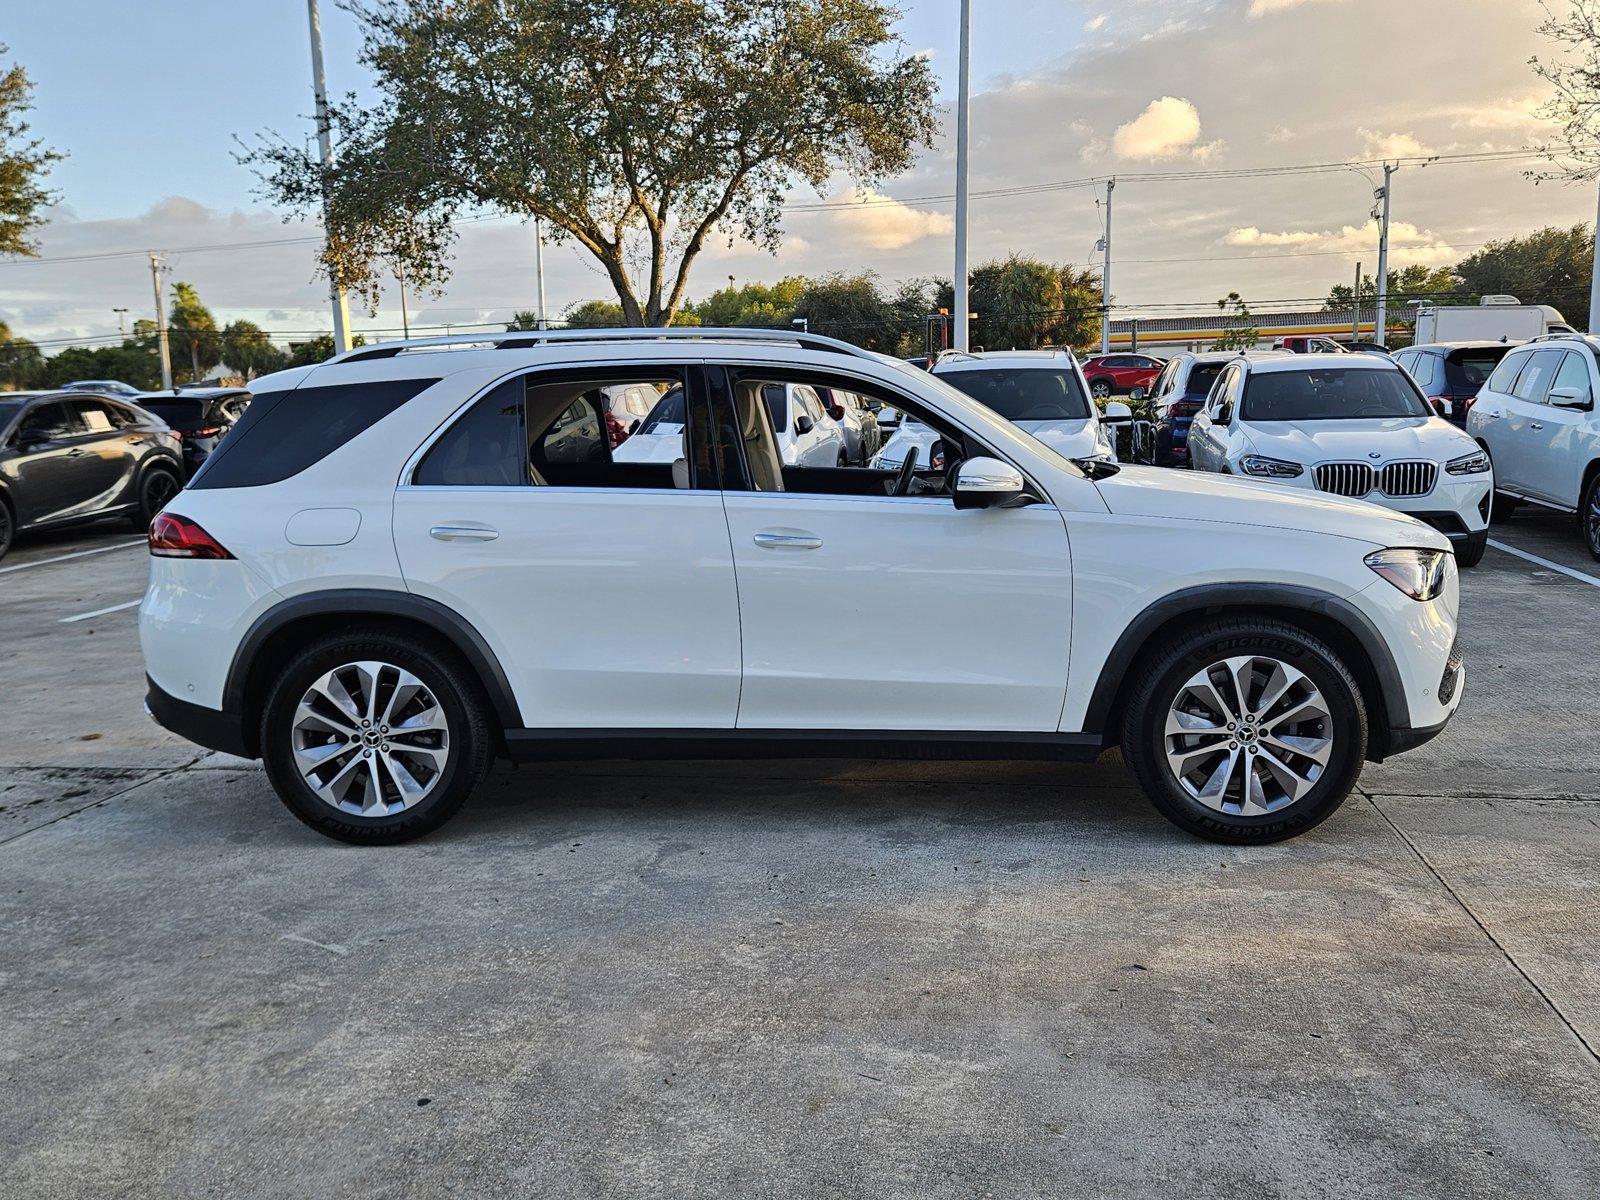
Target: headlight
[1420, 574]
[1263, 467]
[1475, 463]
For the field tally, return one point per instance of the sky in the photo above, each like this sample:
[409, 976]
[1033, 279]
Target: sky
[152, 101]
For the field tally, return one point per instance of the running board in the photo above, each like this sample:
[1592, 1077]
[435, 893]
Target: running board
[551, 745]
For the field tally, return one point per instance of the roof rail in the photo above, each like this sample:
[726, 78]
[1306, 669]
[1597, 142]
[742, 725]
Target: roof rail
[1558, 337]
[526, 339]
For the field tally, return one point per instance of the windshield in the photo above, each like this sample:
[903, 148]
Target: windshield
[1024, 393]
[1470, 368]
[1330, 394]
[667, 411]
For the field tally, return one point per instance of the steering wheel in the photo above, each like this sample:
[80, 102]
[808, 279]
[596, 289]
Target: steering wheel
[902, 481]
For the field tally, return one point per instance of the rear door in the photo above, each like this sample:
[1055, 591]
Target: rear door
[1556, 438]
[1519, 461]
[604, 587]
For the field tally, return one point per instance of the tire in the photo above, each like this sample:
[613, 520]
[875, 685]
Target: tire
[1273, 811]
[1100, 389]
[1470, 552]
[8, 527]
[844, 458]
[156, 490]
[1504, 508]
[456, 700]
[1589, 516]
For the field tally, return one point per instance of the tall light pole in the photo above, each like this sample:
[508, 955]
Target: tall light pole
[963, 303]
[538, 270]
[1105, 276]
[1380, 333]
[319, 82]
[122, 321]
[1594, 282]
[156, 271]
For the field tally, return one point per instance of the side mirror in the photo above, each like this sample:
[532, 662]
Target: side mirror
[27, 439]
[1568, 397]
[633, 426]
[803, 424]
[986, 483]
[1117, 413]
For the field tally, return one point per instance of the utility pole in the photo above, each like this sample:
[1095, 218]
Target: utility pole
[963, 302]
[122, 321]
[1105, 276]
[1594, 283]
[156, 271]
[319, 82]
[1355, 307]
[538, 270]
[405, 319]
[1381, 332]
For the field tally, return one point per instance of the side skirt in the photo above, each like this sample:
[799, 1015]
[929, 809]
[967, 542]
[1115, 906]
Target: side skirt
[554, 745]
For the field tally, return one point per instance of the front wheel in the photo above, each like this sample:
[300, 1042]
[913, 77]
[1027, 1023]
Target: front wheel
[1590, 515]
[8, 528]
[1504, 508]
[375, 739]
[1469, 552]
[1245, 731]
[1100, 389]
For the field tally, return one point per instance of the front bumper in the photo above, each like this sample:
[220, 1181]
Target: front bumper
[203, 726]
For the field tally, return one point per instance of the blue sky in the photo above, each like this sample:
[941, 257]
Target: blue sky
[148, 96]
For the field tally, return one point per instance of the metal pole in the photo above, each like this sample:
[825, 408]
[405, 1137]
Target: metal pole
[122, 321]
[405, 319]
[319, 83]
[1381, 332]
[1105, 277]
[538, 269]
[161, 323]
[1355, 308]
[1594, 283]
[963, 302]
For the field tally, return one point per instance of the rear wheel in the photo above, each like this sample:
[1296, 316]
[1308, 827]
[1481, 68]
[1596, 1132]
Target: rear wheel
[375, 739]
[1245, 731]
[8, 527]
[1589, 515]
[156, 491]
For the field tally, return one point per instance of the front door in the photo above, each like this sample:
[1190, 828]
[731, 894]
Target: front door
[867, 611]
[605, 588]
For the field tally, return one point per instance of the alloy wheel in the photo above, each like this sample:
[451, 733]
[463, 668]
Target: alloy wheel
[1591, 520]
[370, 739]
[159, 489]
[1248, 735]
[1100, 390]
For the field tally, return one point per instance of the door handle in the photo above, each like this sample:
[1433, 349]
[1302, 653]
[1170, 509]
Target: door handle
[79, 453]
[1535, 425]
[463, 533]
[788, 541]
[1494, 416]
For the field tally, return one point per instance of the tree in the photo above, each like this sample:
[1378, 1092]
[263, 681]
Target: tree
[318, 349]
[595, 314]
[1239, 328]
[850, 307]
[1574, 77]
[636, 130]
[192, 332]
[247, 349]
[1435, 285]
[751, 305]
[24, 162]
[133, 362]
[21, 364]
[1548, 266]
[1025, 303]
[522, 321]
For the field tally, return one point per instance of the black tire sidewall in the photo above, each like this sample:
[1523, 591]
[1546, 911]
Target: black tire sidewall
[1589, 534]
[464, 712]
[1144, 734]
[8, 528]
[146, 512]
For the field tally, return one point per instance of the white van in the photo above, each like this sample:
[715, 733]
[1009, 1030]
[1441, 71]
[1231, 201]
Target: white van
[1492, 319]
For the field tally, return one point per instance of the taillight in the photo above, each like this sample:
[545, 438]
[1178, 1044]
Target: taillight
[172, 536]
[207, 431]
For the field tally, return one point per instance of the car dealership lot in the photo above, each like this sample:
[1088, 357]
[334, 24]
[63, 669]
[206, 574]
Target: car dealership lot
[795, 978]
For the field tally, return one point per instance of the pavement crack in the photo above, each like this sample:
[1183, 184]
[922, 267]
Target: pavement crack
[1483, 928]
[137, 783]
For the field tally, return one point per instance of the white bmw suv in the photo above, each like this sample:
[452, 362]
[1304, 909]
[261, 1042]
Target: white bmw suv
[391, 573]
[1347, 425]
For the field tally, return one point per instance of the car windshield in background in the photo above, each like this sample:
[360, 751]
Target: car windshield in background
[1330, 394]
[1201, 377]
[1470, 368]
[667, 411]
[1025, 393]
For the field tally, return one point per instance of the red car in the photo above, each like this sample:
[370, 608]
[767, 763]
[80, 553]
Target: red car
[1132, 373]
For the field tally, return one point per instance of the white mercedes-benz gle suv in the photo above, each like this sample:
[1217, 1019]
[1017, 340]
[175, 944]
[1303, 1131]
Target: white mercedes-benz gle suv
[397, 568]
[1351, 425]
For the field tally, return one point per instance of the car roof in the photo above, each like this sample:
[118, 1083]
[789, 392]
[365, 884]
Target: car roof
[978, 359]
[1313, 362]
[1485, 344]
[1227, 356]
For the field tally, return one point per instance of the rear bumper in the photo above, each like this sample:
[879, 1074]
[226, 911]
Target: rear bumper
[203, 726]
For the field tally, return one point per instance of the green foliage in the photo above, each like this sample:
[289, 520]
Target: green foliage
[752, 305]
[192, 336]
[852, 308]
[24, 162]
[248, 350]
[1024, 303]
[318, 349]
[522, 321]
[634, 130]
[1239, 329]
[133, 362]
[21, 365]
[1548, 266]
[595, 314]
[1435, 285]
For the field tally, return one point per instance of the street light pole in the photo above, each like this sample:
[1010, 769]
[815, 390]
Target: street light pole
[1381, 333]
[122, 321]
[319, 82]
[538, 269]
[963, 96]
[156, 271]
[1594, 281]
[1105, 277]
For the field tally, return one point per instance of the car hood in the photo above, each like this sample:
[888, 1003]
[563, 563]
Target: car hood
[1355, 441]
[1191, 496]
[1070, 439]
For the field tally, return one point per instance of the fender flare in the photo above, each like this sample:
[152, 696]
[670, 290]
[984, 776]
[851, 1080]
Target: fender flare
[1198, 600]
[364, 602]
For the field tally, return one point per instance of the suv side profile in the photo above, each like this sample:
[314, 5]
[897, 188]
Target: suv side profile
[1536, 419]
[379, 583]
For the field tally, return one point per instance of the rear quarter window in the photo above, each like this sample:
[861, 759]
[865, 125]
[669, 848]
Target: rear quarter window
[283, 433]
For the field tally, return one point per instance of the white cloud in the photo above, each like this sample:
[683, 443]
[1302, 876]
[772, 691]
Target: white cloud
[1096, 23]
[883, 223]
[1392, 145]
[1262, 8]
[1407, 243]
[1167, 127]
[1280, 135]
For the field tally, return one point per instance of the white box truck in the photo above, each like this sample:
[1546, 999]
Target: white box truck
[1492, 319]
